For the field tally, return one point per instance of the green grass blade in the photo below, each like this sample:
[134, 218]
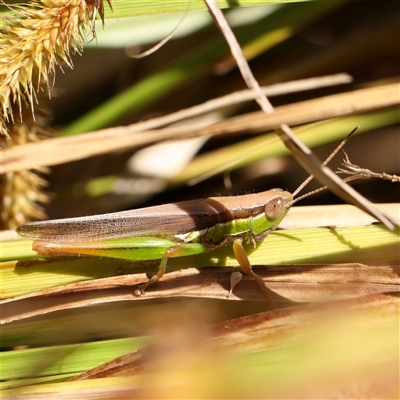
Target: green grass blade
[65, 359]
[298, 246]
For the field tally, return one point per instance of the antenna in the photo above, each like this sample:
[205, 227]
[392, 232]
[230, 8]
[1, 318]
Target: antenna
[333, 154]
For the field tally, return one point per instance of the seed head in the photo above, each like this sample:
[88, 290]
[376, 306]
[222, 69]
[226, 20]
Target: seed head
[42, 35]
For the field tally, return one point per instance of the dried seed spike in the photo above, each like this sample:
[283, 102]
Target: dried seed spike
[357, 172]
[22, 191]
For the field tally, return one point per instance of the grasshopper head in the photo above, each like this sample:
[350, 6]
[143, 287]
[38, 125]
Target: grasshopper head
[277, 205]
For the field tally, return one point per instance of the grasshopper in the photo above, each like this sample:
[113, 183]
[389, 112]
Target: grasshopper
[171, 230]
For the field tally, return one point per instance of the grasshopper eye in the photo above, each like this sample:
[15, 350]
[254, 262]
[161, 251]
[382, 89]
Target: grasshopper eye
[273, 209]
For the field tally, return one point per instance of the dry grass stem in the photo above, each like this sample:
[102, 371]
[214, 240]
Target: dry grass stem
[65, 149]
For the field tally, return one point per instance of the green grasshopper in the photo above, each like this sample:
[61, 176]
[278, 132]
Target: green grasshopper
[171, 230]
